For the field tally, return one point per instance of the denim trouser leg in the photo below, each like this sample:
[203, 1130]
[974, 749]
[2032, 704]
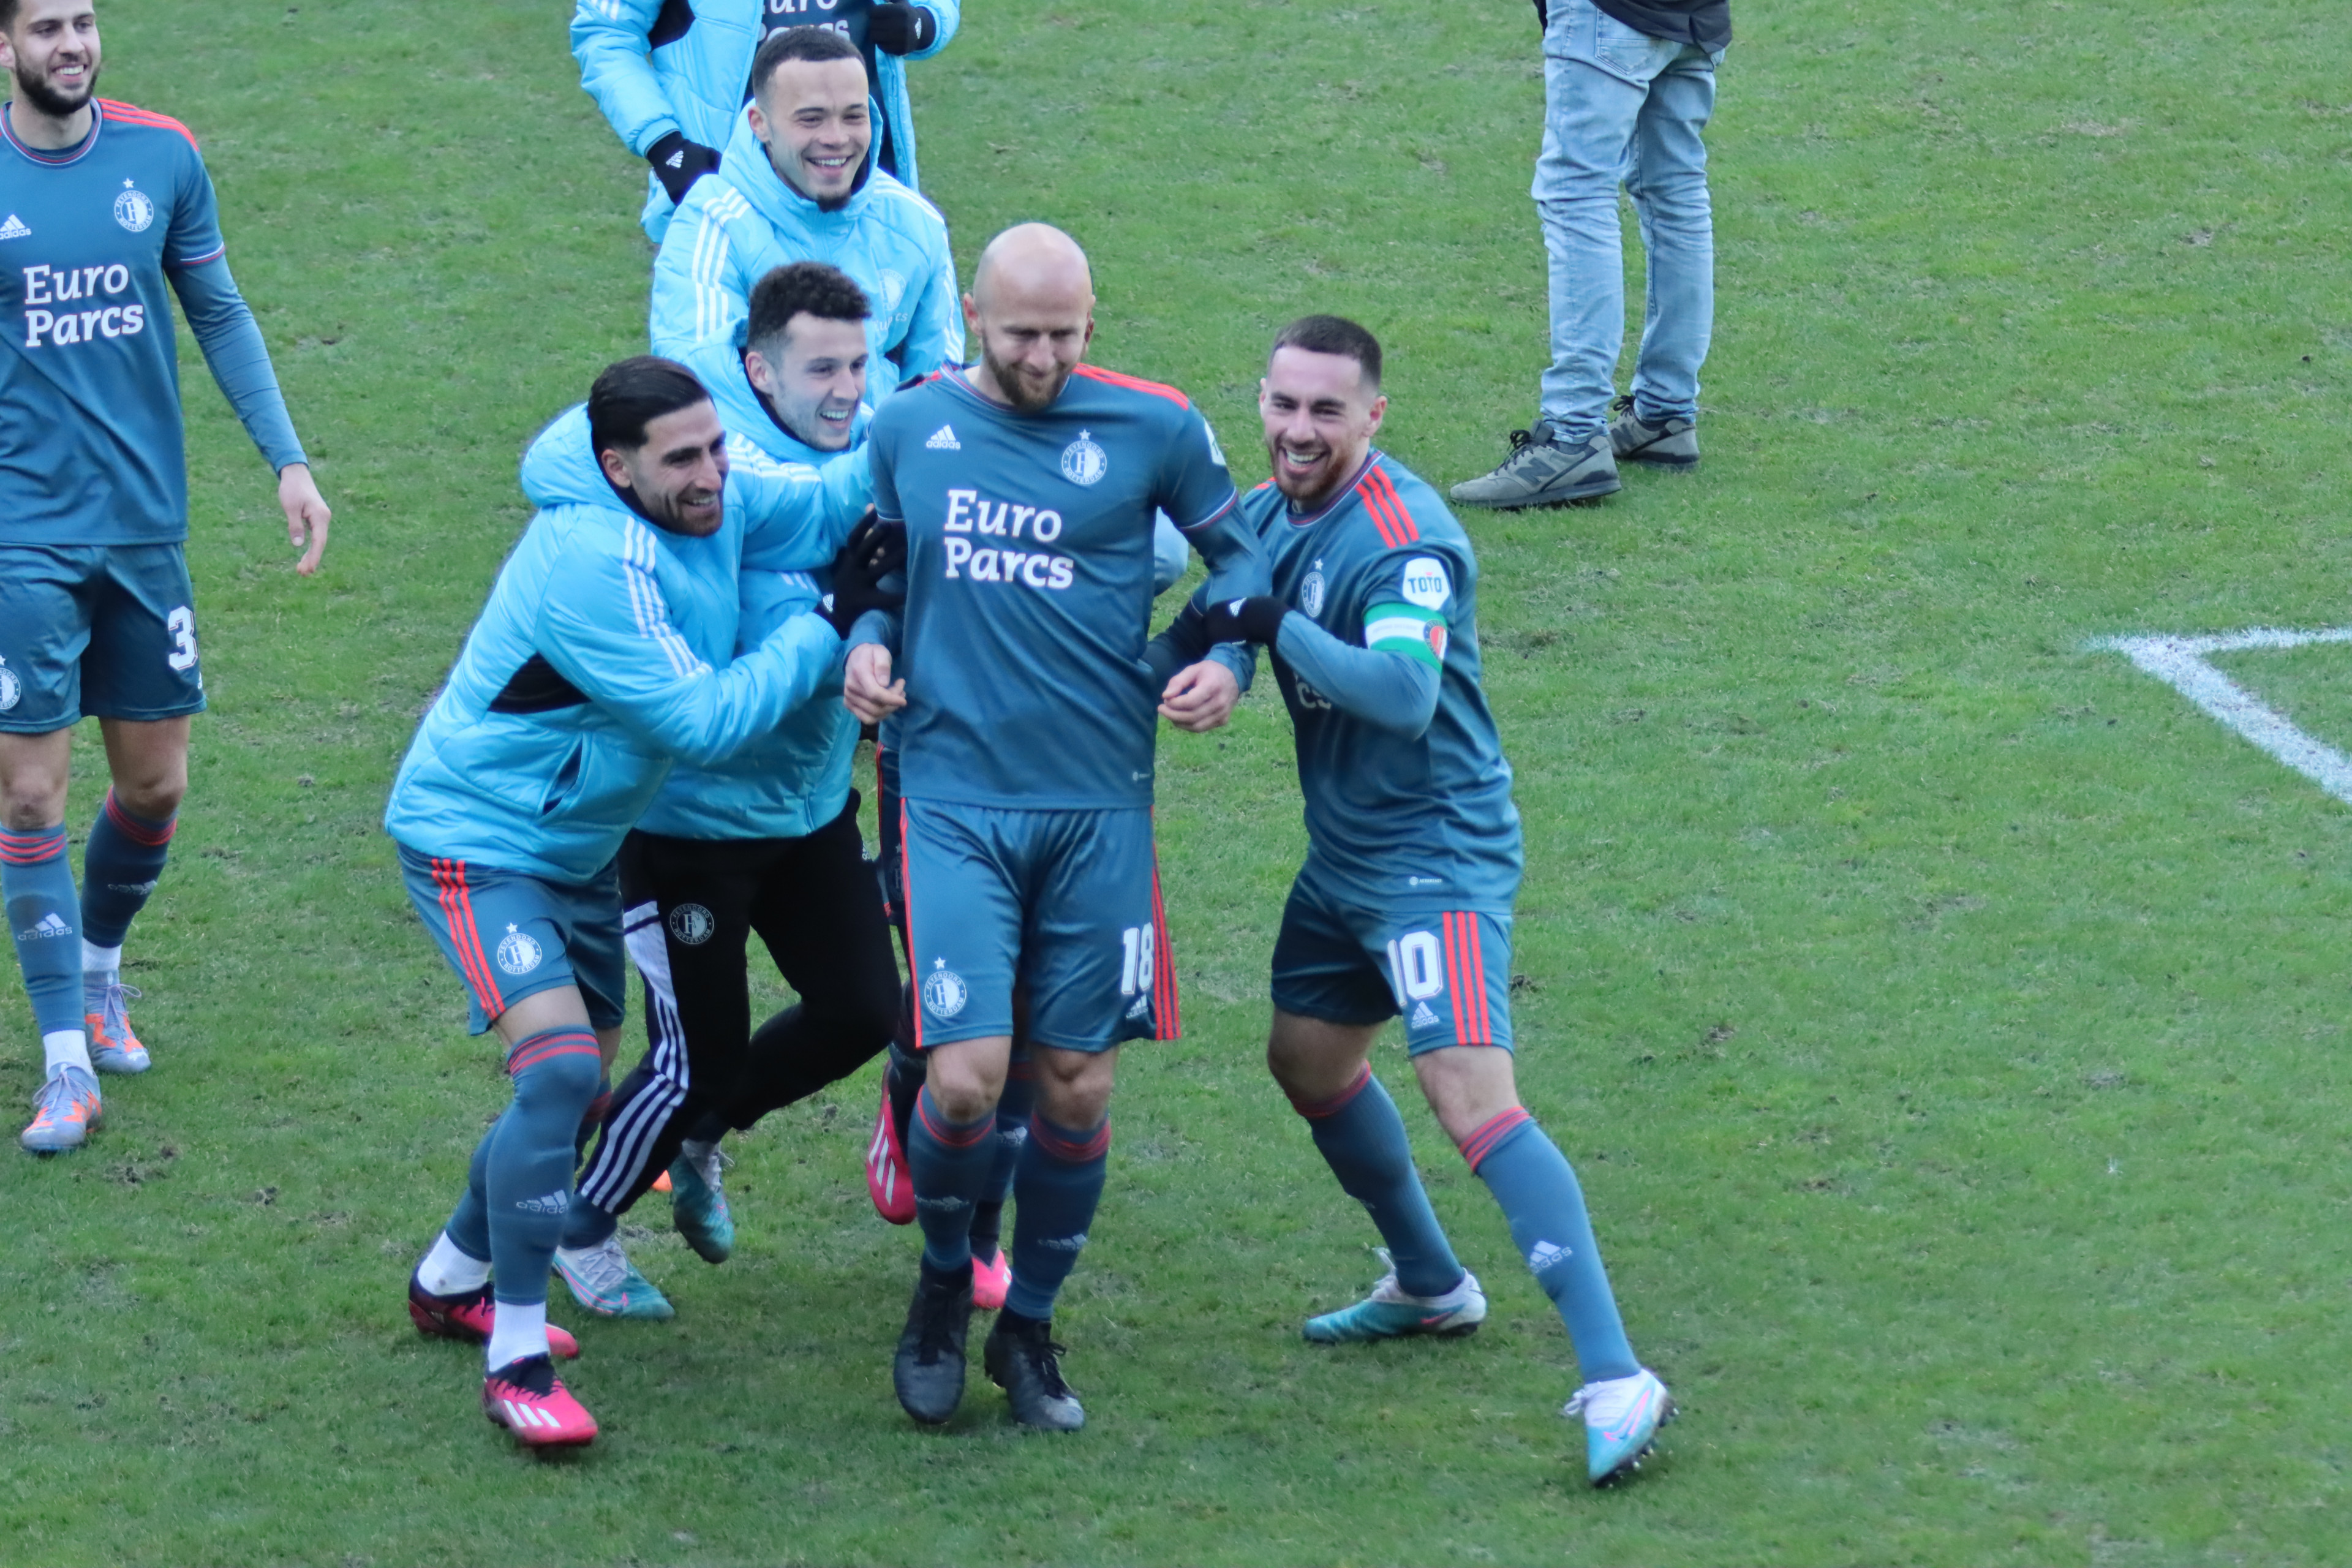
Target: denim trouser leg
[1667, 180]
[1620, 106]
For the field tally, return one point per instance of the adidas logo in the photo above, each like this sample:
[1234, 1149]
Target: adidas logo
[676, 160]
[14, 229]
[46, 927]
[1421, 1016]
[528, 1415]
[1143, 1005]
[943, 440]
[1064, 1243]
[557, 1202]
[1545, 1255]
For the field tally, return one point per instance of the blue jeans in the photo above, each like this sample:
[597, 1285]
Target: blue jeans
[1620, 105]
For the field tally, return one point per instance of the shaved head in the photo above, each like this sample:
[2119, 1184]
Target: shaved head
[1032, 308]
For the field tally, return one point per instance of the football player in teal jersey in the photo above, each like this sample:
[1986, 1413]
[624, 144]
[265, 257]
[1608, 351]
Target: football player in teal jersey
[106, 213]
[1027, 485]
[1414, 862]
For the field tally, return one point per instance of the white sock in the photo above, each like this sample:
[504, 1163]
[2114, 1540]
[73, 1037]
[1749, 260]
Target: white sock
[515, 1332]
[96, 959]
[447, 1271]
[66, 1048]
[695, 1150]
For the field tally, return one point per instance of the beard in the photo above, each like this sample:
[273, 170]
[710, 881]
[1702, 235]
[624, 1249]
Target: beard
[1016, 385]
[48, 101]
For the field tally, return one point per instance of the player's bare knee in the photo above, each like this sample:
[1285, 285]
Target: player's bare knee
[1074, 1087]
[32, 773]
[1312, 1059]
[1466, 1086]
[966, 1078]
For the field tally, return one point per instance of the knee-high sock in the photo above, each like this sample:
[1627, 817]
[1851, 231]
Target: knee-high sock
[1531, 1179]
[528, 1177]
[948, 1162]
[1056, 1185]
[120, 867]
[592, 1118]
[1012, 1109]
[45, 917]
[1362, 1140]
[470, 1224]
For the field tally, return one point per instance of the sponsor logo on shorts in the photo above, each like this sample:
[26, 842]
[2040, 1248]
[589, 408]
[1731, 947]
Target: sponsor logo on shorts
[11, 689]
[556, 1202]
[520, 952]
[1310, 592]
[132, 210]
[1421, 1016]
[1141, 1005]
[691, 924]
[1426, 583]
[944, 992]
[1545, 1255]
[1084, 462]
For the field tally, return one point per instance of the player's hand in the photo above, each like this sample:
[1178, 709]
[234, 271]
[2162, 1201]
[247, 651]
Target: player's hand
[868, 692]
[1200, 696]
[874, 550]
[306, 514]
[678, 163]
[901, 29]
[1256, 620]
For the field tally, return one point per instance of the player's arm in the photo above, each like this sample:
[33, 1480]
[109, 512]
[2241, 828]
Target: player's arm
[222, 322]
[795, 516]
[604, 625]
[869, 689]
[1185, 642]
[1391, 681]
[907, 31]
[698, 293]
[934, 340]
[610, 39]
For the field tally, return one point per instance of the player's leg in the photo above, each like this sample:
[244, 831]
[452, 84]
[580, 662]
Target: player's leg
[1330, 1000]
[142, 679]
[1666, 177]
[902, 1078]
[1091, 966]
[991, 1268]
[1458, 967]
[961, 867]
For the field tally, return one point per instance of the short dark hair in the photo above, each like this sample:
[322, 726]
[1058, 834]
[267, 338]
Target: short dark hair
[799, 289]
[631, 393]
[1333, 336]
[792, 44]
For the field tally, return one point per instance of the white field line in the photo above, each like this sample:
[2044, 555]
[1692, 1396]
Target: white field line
[2180, 663]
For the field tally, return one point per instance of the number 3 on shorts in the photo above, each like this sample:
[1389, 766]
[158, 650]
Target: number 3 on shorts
[181, 624]
[1135, 967]
[1413, 967]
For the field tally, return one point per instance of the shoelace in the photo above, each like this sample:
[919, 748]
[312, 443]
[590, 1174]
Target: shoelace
[57, 1094]
[1046, 1355]
[605, 1267]
[712, 1171]
[1584, 1401]
[113, 1016]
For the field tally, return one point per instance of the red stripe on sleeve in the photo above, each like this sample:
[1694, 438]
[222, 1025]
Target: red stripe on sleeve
[1133, 384]
[1400, 515]
[1372, 509]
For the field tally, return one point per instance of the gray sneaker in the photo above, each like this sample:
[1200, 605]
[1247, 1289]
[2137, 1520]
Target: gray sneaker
[1671, 444]
[1542, 472]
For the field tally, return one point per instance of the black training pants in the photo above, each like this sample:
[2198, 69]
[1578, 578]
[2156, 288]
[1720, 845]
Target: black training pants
[691, 907]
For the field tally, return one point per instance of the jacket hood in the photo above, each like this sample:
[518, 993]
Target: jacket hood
[744, 164]
[560, 469]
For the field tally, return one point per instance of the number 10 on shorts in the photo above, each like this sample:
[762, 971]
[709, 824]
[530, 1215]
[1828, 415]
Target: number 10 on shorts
[1135, 965]
[1415, 971]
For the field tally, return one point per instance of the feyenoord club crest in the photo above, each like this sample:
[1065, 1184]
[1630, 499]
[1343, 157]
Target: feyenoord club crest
[1310, 592]
[132, 210]
[518, 954]
[944, 992]
[691, 924]
[1084, 462]
[11, 689]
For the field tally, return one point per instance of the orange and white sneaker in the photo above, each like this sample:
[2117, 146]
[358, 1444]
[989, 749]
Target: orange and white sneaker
[991, 1280]
[112, 1047]
[468, 1319]
[527, 1399]
[888, 1182]
[64, 1113]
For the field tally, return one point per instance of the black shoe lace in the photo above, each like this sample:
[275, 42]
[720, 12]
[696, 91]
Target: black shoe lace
[1045, 1357]
[936, 1337]
[1621, 403]
[1520, 438]
[535, 1374]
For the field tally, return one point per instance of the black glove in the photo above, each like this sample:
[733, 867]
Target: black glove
[678, 163]
[901, 29]
[874, 550]
[1257, 620]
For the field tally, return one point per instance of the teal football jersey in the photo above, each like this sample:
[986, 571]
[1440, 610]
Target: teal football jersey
[1029, 582]
[1392, 822]
[90, 383]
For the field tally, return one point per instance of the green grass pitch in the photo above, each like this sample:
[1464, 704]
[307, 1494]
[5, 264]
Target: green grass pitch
[1948, 1023]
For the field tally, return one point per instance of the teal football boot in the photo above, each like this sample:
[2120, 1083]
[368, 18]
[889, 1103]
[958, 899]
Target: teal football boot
[1389, 1313]
[697, 1203]
[1622, 1417]
[603, 1280]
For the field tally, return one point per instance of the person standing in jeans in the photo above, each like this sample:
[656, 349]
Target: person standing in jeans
[1629, 86]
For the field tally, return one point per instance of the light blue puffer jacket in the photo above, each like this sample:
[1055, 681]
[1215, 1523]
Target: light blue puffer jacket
[610, 641]
[693, 81]
[743, 221]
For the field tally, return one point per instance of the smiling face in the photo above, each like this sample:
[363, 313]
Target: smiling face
[1032, 309]
[814, 119]
[1320, 417]
[812, 375]
[52, 52]
[679, 474]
